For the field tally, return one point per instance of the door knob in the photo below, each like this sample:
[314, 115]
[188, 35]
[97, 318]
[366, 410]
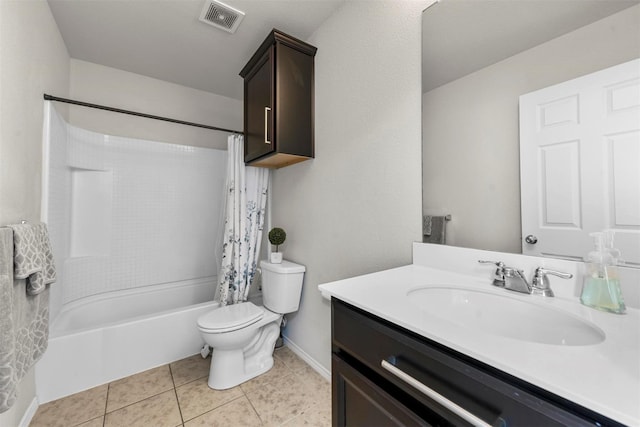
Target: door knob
[531, 239]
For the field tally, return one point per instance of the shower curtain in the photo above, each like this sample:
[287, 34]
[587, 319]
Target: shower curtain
[244, 220]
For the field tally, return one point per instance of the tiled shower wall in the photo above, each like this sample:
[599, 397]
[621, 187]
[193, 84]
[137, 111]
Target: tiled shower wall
[127, 213]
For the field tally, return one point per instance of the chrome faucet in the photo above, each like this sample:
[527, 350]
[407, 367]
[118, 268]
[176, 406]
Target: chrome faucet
[515, 280]
[498, 275]
[540, 283]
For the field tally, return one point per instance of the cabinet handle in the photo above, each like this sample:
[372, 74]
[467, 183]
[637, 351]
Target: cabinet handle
[266, 125]
[461, 412]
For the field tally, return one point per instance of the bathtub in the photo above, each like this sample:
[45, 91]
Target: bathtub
[105, 337]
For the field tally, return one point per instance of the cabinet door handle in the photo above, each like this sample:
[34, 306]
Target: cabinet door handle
[461, 412]
[266, 125]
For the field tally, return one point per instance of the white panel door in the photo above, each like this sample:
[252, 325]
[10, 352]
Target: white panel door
[580, 164]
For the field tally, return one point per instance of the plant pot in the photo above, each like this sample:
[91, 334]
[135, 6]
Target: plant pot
[276, 257]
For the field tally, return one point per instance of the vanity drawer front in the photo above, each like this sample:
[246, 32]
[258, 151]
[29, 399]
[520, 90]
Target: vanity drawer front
[367, 341]
[364, 403]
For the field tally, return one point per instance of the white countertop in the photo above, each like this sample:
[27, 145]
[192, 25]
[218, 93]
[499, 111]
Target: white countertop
[604, 377]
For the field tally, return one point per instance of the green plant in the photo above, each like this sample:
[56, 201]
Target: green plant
[277, 236]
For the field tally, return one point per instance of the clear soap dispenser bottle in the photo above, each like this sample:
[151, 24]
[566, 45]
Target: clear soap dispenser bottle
[601, 286]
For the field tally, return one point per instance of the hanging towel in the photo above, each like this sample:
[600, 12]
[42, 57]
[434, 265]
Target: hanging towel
[426, 225]
[24, 324]
[33, 259]
[433, 229]
[8, 379]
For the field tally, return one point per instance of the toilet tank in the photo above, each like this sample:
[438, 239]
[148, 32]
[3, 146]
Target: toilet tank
[281, 286]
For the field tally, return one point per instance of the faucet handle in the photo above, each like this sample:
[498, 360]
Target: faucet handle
[500, 264]
[540, 283]
[499, 274]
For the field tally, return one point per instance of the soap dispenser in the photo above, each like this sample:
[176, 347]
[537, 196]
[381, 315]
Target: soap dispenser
[601, 286]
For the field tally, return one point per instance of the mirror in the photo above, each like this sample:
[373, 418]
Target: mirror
[479, 56]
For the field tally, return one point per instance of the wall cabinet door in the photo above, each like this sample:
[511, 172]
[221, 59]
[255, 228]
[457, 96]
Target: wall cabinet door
[278, 102]
[258, 109]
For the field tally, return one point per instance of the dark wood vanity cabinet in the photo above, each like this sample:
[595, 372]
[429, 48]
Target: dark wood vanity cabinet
[367, 394]
[279, 102]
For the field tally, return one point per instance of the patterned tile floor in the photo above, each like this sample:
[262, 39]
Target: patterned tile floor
[290, 394]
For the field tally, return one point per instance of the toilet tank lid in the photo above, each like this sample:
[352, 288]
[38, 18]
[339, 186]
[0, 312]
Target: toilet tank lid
[286, 267]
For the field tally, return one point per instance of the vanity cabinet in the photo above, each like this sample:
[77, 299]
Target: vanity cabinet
[385, 375]
[279, 102]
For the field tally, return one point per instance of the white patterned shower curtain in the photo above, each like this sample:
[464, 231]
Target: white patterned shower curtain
[244, 220]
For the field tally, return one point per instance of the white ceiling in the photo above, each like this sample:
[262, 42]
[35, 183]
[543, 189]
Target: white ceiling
[164, 38]
[463, 36]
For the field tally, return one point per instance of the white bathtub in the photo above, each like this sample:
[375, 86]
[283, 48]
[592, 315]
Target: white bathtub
[106, 337]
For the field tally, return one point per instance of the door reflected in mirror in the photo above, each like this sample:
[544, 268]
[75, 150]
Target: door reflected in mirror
[479, 57]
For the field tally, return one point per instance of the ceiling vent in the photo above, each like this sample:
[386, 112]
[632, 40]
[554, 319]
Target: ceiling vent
[221, 16]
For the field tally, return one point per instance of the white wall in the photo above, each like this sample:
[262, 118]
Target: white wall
[102, 85]
[33, 60]
[470, 129]
[356, 207]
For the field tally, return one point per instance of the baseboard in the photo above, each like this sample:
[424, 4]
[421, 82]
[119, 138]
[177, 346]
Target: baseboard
[326, 373]
[29, 413]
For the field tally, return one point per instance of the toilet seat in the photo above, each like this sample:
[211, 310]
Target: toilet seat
[230, 318]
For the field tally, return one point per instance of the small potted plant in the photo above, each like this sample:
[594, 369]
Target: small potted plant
[277, 236]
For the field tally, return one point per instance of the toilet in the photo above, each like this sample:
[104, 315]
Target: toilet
[244, 335]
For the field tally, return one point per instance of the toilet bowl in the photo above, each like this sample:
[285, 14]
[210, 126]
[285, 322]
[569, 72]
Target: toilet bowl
[243, 335]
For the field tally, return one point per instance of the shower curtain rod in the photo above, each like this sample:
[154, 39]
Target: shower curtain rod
[134, 113]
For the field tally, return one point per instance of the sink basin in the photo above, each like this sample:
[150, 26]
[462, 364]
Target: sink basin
[505, 316]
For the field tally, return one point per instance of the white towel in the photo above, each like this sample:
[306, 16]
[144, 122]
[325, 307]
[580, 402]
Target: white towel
[33, 259]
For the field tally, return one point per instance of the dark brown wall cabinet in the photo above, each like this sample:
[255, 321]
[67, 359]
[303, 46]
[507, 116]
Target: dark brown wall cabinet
[278, 102]
[384, 375]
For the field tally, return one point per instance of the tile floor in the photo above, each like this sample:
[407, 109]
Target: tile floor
[290, 394]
